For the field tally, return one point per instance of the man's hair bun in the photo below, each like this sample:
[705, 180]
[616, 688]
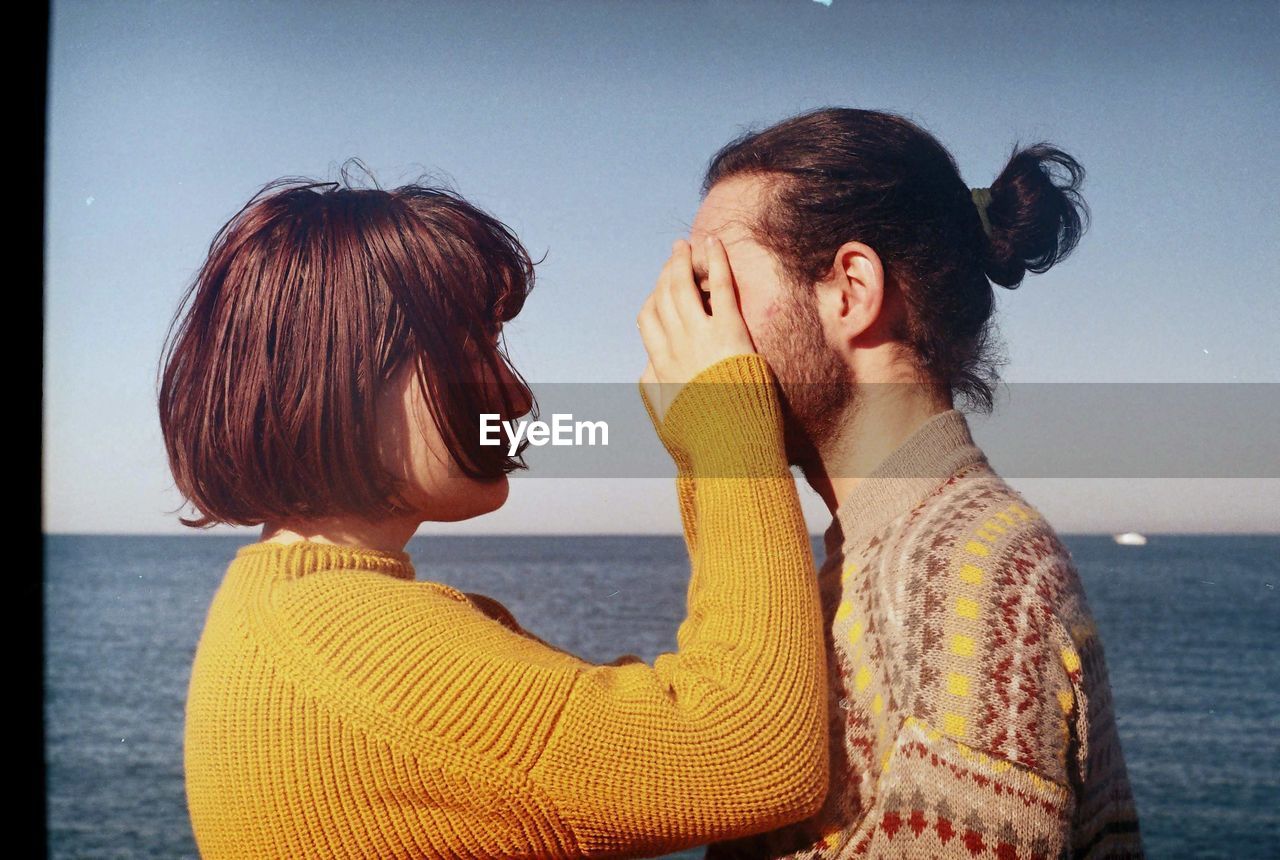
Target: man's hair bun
[1036, 213]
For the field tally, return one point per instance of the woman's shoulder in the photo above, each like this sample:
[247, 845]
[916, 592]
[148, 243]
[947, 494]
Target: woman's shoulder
[492, 608]
[345, 615]
[420, 658]
[388, 608]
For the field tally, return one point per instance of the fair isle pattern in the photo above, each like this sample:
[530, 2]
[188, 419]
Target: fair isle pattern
[969, 706]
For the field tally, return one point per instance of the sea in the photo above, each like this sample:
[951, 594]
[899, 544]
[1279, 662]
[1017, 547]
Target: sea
[1190, 626]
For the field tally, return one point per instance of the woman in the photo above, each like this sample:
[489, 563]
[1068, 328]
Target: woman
[325, 381]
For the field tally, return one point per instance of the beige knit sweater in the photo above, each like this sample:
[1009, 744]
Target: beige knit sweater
[970, 709]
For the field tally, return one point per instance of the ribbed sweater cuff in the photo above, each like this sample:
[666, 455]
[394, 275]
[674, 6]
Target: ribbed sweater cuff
[727, 421]
[680, 457]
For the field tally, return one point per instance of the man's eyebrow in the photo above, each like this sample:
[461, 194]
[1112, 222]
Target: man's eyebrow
[700, 272]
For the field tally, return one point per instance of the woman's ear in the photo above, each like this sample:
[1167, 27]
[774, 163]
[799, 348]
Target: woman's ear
[852, 296]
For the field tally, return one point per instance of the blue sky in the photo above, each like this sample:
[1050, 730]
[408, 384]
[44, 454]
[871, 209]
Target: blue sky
[586, 126]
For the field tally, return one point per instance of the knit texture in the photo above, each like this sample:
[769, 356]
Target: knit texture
[970, 709]
[338, 707]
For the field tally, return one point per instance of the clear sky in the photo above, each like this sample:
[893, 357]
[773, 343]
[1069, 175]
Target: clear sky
[586, 126]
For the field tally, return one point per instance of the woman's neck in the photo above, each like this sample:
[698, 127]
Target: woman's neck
[387, 535]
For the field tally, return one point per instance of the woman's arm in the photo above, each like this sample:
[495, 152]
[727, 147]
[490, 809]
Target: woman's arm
[728, 735]
[684, 476]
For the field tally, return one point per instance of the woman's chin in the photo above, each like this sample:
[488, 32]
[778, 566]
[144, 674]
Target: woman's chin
[493, 495]
[477, 499]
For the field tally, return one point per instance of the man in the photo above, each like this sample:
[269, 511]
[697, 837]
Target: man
[970, 708]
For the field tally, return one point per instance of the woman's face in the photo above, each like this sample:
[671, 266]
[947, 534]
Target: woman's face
[412, 448]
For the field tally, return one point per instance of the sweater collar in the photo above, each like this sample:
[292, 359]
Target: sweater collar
[297, 559]
[934, 451]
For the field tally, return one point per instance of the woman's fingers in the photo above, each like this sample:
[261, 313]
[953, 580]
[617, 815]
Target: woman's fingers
[681, 337]
[664, 295]
[652, 333]
[685, 295]
[658, 328]
[724, 298]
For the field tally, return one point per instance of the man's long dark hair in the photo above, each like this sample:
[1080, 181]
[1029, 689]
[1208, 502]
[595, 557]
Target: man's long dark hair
[843, 174]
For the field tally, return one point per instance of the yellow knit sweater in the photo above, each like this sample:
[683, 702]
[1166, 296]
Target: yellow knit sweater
[337, 707]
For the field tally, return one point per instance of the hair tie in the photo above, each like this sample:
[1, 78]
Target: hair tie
[982, 199]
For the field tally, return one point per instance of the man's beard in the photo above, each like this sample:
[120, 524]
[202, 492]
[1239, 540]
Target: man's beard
[818, 391]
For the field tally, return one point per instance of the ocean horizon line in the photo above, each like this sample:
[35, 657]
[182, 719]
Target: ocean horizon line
[557, 534]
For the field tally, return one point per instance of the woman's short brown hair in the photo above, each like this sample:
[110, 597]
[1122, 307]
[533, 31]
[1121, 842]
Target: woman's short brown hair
[311, 297]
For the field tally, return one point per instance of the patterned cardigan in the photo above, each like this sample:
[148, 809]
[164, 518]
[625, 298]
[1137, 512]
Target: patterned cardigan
[970, 708]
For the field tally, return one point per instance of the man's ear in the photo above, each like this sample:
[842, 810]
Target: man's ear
[850, 299]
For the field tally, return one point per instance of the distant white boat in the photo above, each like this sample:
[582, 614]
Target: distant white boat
[1130, 539]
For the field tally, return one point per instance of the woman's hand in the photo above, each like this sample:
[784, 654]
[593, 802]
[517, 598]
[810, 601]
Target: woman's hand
[680, 334]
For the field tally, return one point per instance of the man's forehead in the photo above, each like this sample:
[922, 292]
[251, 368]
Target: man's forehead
[720, 221]
[727, 210]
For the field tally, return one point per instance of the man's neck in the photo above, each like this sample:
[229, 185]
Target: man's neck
[877, 422]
